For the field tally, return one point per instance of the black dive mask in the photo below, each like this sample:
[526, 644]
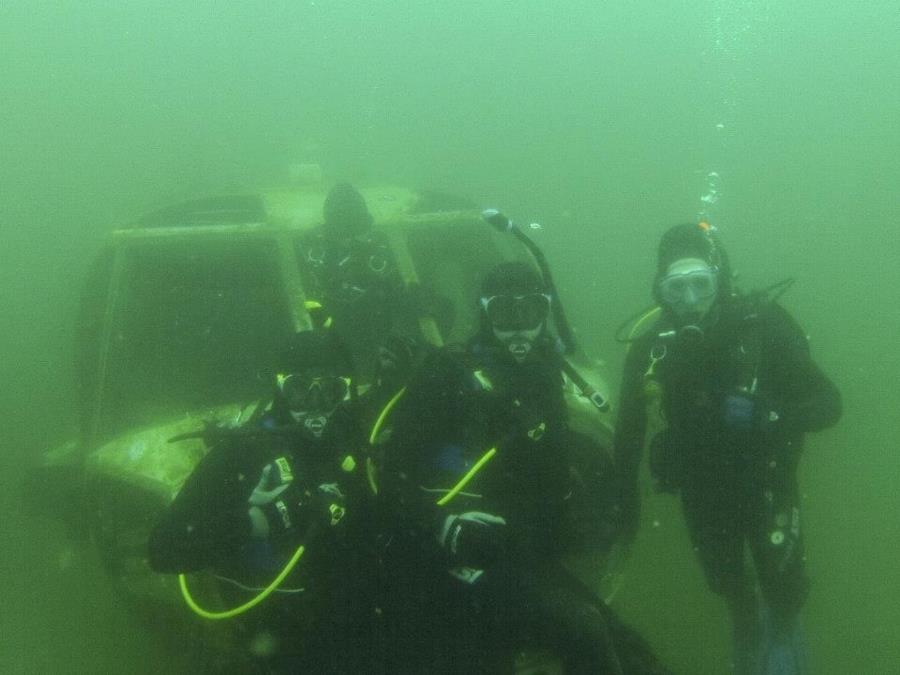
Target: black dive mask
[517, 312]
[312, 400]
[689, 290]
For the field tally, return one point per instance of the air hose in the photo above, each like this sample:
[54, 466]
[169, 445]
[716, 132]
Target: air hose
[250, 604]
[470, 474]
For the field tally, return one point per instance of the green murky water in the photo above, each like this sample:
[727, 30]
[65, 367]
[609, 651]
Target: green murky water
[604, 121]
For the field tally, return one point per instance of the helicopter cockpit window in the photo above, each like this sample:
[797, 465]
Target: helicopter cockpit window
[196, 324]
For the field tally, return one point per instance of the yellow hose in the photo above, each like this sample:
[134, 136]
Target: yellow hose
[383, 415]
[250, 604]
[371, 469]
[372, 475]
[650, 314]
[456, 489]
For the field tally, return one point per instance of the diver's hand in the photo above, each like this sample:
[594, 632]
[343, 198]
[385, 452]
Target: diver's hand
[740, 411]
[473, 538]
[331, 504]
[396, 355]
[268, 502]
[272, 482]
[747, 412]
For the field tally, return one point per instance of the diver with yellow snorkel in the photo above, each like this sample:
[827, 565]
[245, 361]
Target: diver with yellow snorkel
[737, 389]
[478, 489]
[277, 509]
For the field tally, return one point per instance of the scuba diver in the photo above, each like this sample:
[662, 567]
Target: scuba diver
[478, 488]
[731, 379]
[286, 482]
[352, 270]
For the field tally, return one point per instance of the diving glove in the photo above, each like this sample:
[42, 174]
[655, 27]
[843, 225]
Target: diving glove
[740, 412]
[279, 504]
[747, 412]
[268, 502]
[473, 538]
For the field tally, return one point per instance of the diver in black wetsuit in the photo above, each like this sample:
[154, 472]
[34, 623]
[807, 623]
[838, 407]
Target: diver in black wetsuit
[732, 379]
[473, 566]
[350, 268]
[292, 477]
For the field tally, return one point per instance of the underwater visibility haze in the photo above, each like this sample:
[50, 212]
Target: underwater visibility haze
[604, 122]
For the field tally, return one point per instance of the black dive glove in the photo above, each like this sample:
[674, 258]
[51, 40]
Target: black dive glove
[473, 538]
[280, 506]
[396, 358]
[396, 353]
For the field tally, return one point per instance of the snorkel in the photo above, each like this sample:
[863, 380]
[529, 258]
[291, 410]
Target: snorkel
[503, 224]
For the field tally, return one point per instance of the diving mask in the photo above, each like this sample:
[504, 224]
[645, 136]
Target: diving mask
[689, 287]
[516, 312]
[306, 394]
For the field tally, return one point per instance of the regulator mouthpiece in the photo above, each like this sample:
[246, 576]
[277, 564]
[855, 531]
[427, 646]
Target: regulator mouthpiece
[497, 220]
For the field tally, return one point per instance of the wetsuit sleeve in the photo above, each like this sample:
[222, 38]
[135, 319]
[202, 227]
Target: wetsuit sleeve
[423, 424]
[804, 397]
[628, 443]
[207, 523]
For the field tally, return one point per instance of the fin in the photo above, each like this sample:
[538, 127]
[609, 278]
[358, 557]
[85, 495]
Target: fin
[783, 650]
